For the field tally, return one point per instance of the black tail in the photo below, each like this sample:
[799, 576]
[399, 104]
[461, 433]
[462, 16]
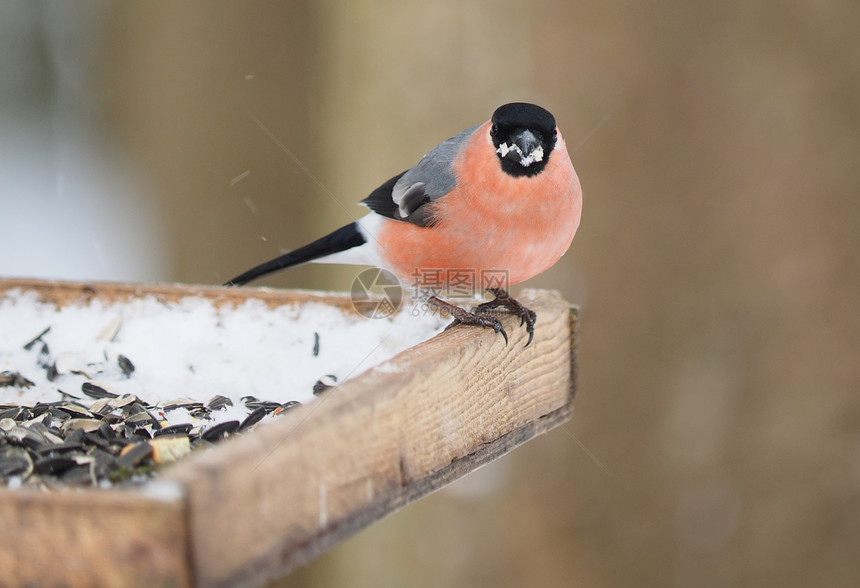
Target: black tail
[340, 240]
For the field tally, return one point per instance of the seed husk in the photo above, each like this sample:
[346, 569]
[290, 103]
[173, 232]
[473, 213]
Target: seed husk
[217, 402]
[36, 339]
[75, 410]
[85, 425]
[123, 400]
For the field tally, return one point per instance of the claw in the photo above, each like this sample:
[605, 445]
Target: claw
[493, 323]
[464, 317]
[497, 327]
[527, 316]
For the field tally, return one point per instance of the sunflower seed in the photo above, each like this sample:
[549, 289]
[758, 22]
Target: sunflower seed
[15, 462]
[53, 465]
[252, 419]
[324, 383]
[182, 429]
[132, 455]
[26, 437]
[14, 379]
[125, 365]
[267, 405]
[94, 391]
[220, 431]
[11, 413]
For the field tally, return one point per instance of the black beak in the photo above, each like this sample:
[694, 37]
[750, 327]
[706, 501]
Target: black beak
[527, 140]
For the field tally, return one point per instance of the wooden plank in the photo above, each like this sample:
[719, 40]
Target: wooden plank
[94, 538]
[261, 504]
[375, 443]
[283, 562]
[63, 293]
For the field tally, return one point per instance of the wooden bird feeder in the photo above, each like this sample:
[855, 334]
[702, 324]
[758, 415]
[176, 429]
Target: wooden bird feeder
[261, 504]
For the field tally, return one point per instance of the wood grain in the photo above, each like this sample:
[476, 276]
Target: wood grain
[93, 539]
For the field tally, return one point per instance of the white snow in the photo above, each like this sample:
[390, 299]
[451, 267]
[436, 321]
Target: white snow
[193, 350]
[525, 160]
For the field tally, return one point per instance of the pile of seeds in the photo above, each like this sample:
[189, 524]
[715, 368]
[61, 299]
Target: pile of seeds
[114, 439]
[88, 392]
[99, 437]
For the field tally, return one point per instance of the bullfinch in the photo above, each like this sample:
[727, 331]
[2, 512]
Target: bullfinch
[488, 208]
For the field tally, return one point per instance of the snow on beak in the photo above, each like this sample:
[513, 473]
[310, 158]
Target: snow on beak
[525, 148]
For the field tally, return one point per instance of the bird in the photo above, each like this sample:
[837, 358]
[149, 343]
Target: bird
[484, 210]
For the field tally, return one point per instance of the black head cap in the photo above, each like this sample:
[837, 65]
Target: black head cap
[529, 127]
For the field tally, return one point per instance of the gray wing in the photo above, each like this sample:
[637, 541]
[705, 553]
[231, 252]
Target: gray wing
[404, 197]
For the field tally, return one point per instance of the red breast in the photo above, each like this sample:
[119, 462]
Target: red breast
[491, 224]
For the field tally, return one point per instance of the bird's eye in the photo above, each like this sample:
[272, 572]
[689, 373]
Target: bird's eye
[554, 135]
[494, 130]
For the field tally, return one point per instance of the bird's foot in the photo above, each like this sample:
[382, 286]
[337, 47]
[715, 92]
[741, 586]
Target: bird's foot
[527, 316]
[464, 317]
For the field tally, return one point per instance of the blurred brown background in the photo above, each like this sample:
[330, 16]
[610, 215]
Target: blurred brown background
[716, 439]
